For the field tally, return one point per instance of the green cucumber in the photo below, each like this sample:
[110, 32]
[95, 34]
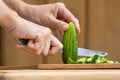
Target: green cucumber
[70, 45]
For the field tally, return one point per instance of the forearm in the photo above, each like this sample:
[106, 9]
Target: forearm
[8, 18]
[19, 6]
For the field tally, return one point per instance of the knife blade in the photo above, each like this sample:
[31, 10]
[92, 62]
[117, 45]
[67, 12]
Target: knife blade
[90, 53]
[81, 51]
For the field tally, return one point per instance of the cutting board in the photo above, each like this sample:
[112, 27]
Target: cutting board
[64, 66]
[78, 66]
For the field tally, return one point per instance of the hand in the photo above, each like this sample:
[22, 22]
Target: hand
[56, 16]
[41, 41]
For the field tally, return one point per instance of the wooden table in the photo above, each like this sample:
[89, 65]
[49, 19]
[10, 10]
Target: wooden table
[61, 74]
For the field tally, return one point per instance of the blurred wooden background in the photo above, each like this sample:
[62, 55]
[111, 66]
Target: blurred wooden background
[100, 30]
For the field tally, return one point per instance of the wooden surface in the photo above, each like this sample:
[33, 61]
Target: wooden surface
[63, 67]
[59, 74]
[77, 66]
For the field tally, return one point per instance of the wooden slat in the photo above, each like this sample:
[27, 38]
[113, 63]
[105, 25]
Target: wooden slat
[104, 27]
[0, 45]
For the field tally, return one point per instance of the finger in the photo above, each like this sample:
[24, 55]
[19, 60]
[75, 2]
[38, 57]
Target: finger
[58, 34]
[34, 46]
[22, 47]
[68, 16]
[56, 46]
[52, 51]
[63, 26]
[46, 47]
[31, 45]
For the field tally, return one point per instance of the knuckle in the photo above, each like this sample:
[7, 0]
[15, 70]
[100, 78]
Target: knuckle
[70, 18]
[38, 36]
[48, 32]
[60, 4]
[77, 20]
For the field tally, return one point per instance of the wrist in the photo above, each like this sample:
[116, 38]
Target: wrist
[8, 21]
[8, 18]
[17, 5]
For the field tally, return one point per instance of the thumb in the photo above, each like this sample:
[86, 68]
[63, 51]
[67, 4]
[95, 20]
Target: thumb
[63, 26]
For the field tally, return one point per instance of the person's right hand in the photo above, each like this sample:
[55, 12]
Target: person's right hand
[41, 40]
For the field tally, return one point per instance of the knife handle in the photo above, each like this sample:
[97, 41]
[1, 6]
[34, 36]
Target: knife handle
[22, 41]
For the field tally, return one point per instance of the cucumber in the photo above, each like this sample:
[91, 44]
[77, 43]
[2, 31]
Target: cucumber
[70, 45]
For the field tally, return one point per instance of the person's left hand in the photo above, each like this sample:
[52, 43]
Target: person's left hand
[55, 16]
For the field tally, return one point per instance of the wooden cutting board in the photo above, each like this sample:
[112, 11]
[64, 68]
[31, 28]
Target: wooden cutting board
[63, 66]
[78, 66]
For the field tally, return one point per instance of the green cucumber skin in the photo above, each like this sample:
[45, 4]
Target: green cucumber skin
[70, 45]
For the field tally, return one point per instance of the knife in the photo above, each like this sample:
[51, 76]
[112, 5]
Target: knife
[90, 53]
[81, 51]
